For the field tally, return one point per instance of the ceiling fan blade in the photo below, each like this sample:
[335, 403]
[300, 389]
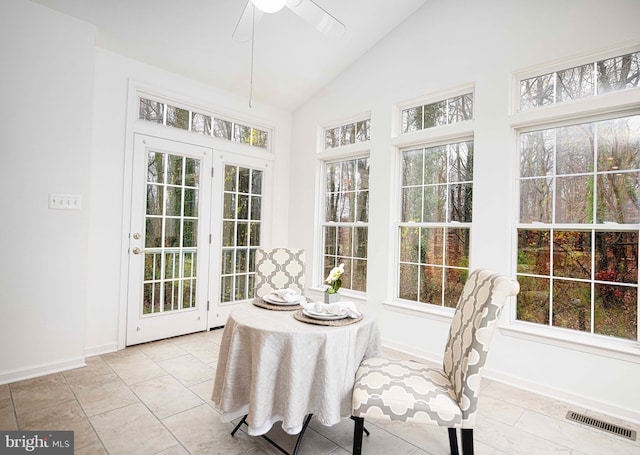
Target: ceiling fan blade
[242, 32]
[317, 16]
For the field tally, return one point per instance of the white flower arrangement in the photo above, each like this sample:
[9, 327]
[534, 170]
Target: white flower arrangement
[334, 279]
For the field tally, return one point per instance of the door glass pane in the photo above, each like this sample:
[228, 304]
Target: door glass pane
[242, 212]
[170, 237]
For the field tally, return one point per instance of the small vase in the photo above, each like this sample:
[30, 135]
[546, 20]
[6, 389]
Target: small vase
[331, 298]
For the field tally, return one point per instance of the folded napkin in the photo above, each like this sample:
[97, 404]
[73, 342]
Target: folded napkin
[289, 295]
[340, 308]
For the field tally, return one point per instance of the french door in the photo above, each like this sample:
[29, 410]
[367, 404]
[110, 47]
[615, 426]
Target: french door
[168, 239]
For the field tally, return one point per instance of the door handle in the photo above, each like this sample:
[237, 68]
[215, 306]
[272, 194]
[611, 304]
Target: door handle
[136, 250]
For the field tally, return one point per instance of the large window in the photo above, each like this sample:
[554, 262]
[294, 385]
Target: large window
[241, 228]
[578, 232]
[577, 257]
[346, 218]
[434, 233]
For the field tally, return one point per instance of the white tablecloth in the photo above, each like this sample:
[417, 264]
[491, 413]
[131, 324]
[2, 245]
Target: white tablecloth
[276, 368]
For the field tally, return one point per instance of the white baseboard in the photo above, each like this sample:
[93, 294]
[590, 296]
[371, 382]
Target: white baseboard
[610, 409]
[99, 350]
[7, 377]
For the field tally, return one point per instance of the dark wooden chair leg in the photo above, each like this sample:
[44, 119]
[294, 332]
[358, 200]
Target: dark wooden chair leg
[453, 441]
[365, 428]
[358, 430]
[467, 441]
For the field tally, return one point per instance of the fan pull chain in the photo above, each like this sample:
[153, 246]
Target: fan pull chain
[253, 29]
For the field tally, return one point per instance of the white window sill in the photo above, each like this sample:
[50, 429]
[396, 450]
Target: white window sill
[601, 345]
[422, 310]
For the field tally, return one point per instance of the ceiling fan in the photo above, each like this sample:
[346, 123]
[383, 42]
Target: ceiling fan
[308, 10]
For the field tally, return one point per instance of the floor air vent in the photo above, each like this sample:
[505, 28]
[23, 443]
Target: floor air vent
[602, 425]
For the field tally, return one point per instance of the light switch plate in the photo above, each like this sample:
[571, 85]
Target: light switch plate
[65, 201]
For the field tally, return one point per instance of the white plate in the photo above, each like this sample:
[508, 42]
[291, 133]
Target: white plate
[276, 300]
[323, 316]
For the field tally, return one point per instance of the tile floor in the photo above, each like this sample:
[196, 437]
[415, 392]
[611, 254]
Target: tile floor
[155, 399]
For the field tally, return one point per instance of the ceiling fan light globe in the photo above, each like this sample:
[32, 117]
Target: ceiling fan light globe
[269, 6]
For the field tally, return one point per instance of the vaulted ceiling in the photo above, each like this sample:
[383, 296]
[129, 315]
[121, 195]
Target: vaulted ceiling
[292, 60]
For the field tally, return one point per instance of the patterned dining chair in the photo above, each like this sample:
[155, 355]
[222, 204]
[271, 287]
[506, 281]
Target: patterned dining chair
[395, 390]
[279, 268]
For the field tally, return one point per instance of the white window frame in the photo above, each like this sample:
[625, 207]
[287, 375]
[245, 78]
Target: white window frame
[324, 156]
[429, 137]
[589, 109]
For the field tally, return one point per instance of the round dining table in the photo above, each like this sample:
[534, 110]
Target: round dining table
[273, 368]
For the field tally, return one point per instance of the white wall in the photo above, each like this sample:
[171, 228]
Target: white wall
[61, 291]
[443, 45]
[46, 87]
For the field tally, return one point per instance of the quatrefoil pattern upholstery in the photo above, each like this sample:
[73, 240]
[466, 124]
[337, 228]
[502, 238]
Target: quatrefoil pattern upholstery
[279, 268]
[413, 392]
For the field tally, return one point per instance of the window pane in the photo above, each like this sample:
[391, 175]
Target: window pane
[461, 162]
[533, 299]
[330, 241]
[412, 119]
[435, 203]
[408, 285]
[619, 73]
[618, 198]
[256, 208]
[534, 252]
[178, 118]
[460, 202]
[461, 108]
[230, 178]
[260, 138]
[432, 246]
[536, 153]
[359, 281]
[244, 179]
[360, 242]
[201, 123]
[575, 149]
[171, 232]
[616, 256]
[241, 260]
[574, 199]
[435, 114]
[228, 233]
[155, 167]
[412, 167]
[619, 144]
[431, 285]
[362, 206]
[242, 234]
[155, 200]
[409, 244]
[174, 201]
[345, 241]
[229, 210]
[454, 282]
[151, 111]
[412, 204]
[190, 202]
[241, 134]
[227, 262]
[153, 233]
[362, 177]
[256, 181]
[535, 200]
[616, 311]
[190, 234]
[243, 206]
[458, 246]
[435, 165]
[572, 305]
[572, 254]
[192, 172]
[222, 129]
[575, 83]
[363, 129]
[537, 91]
